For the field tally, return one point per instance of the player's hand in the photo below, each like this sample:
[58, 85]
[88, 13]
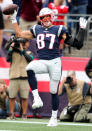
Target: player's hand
[83, 23]
[13, 17]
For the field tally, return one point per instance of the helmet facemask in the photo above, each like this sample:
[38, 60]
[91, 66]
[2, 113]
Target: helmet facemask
[46, 20]
[46, 17]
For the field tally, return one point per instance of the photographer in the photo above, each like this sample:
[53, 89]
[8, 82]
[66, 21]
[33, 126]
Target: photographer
[4, 100]
[79, 98]
[19, 57]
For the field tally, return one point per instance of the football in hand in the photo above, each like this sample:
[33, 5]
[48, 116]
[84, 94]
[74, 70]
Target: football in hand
[9, 9]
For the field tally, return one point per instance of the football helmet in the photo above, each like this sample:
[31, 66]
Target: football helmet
[46, 16]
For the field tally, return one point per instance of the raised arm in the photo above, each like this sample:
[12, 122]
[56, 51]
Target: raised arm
[78, 40]
[19, 33]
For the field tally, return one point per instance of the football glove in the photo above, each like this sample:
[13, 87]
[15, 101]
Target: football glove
[83, 23]
[13, 17]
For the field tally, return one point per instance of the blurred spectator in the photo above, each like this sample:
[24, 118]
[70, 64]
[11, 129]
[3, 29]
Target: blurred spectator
[79, 98]
[69, 24]
[29, 11]
[28, 17]
[19, 57]
[46, 2]
[78, 7]
[4, 4]
[89, 10]
[4, 100]
[1, 28]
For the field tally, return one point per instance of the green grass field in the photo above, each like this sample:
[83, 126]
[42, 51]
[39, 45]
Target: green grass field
[41, 125]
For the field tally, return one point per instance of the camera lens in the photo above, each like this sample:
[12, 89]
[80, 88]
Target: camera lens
[69, 80]
[1, 92]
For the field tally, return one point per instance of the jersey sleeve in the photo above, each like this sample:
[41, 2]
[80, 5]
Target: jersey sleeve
[33, 30]
[61, 30]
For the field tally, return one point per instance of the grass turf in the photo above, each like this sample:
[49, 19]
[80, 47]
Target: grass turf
[41, 125]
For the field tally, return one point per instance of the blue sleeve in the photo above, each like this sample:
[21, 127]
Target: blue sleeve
[33, 30]
[62, 30]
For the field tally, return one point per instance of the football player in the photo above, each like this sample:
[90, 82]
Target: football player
[49, 61]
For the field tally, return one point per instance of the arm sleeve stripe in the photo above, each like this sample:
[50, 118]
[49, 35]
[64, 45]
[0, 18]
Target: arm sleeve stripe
[34, 30]
[60, 29]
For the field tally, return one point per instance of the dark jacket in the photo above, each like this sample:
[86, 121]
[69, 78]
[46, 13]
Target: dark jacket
[88, 68]
[79, 2]
[1, 20]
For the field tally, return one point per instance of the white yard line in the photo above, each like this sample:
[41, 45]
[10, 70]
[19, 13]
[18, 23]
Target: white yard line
[7, 130]
[44, 123]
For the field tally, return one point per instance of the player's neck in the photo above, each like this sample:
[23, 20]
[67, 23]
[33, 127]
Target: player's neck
[48, 26]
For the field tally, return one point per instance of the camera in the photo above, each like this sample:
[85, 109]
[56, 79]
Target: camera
[69, 80]
[1, 92]
[16, 40]
[73, 109]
